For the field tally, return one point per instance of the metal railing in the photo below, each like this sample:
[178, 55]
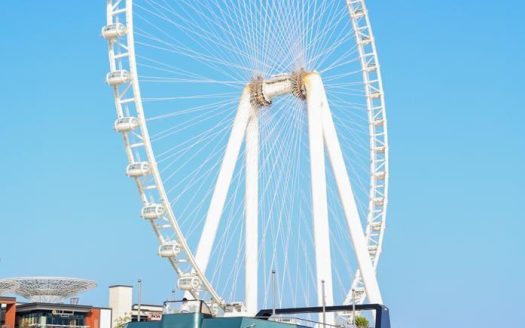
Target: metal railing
[298, 320]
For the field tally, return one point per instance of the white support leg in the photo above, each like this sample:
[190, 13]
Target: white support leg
[346, 194]
[223, 181]
[251, 215]
[323, 257]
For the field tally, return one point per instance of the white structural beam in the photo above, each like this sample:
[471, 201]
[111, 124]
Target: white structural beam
[251, 214]
[346, 194]
[223, 180]
[315, 103]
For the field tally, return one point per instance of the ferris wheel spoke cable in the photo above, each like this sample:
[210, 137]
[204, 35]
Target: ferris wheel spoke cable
[266, 191]
[185, 125]
[186, 145]
[223, 106]
[181, 74]
[192, 30]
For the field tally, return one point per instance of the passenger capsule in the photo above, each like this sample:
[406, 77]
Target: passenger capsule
[379, 201]
[215, 308]
[117, 77]
[376, 226]
[113, 31]
[138, 169]
[358, 13]
[235, 307]
[171, 249]
[380, 175]
[380, 149]
[357, 293]
[152, 211]
[371, 67]
[189, 282]
[379, 122]
[365, 39]
[375, 94]
[126, 124]
[372, 249]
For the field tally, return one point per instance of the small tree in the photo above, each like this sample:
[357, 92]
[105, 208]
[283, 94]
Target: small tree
[361, 322]
[122, 321]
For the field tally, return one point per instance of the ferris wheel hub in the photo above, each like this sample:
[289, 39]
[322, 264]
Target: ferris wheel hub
[298, 88]
[263, 91]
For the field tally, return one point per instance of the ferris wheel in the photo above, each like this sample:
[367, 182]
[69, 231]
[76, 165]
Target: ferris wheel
[256, 135]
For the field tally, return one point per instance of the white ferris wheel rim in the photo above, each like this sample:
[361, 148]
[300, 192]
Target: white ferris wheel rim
[119, 11]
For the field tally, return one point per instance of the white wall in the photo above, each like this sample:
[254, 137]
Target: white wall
[105, 318]
[120, 302]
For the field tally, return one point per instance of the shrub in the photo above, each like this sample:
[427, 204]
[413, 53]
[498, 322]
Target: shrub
[361, 322]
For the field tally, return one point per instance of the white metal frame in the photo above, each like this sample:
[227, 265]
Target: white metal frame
[377, 122]
[7, 286]
[138, 148]
[252, 212]
[46, 289]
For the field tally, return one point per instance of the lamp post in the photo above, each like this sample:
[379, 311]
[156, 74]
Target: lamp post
[353, 307]
[139, 298]
[273, 291]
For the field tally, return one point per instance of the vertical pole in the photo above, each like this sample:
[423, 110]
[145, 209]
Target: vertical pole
[353, 307]
[319, 196]
[346, 194]
[251, 214]
[139, 298]
[274, 294]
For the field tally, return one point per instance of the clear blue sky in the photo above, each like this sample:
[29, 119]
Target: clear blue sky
[453, 74]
